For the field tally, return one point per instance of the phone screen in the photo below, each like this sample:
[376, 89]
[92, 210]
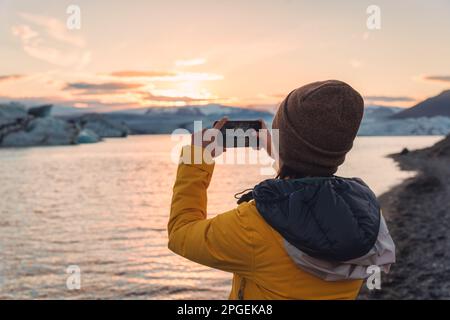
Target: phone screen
[238, 133]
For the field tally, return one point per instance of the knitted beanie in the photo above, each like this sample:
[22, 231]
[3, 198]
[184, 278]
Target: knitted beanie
[317, 125]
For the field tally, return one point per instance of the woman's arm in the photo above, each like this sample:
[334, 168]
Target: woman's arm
[223, 242]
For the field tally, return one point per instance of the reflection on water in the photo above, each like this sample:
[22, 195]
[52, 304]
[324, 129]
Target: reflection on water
[104, 207]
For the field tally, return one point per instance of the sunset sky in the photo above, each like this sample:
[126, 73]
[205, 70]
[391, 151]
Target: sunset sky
[133, 53]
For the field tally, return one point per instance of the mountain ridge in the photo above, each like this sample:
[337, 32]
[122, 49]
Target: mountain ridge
[432, 107]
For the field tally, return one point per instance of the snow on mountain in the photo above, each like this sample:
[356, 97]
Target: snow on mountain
[377, 120]
[203, 110]
[373, 112]
[382, 121]
[160, 120]
[406, 127]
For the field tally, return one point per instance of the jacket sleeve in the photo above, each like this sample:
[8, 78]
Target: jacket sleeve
[222, 242]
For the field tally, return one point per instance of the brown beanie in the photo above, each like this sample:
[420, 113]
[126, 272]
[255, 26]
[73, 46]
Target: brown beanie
[317, 125]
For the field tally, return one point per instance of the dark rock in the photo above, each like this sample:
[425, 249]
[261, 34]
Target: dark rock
[424, 184]
[441, 149]
[404, 151]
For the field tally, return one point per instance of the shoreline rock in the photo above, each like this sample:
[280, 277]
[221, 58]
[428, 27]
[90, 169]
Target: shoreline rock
[418, 215]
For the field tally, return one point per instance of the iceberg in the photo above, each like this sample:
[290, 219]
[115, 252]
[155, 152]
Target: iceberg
[22, 127]
[35, 126]
[102, 126]
[41, 131]
[88, 136]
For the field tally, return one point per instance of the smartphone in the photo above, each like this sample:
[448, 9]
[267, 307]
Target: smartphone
[237, 133]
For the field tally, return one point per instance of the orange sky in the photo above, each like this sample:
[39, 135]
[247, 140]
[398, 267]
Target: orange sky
[131, 54]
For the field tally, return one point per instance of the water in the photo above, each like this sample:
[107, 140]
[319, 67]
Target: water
[104, 207]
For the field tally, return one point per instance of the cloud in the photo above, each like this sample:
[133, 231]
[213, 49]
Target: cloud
[390, 98]
[102, 88]
[149, 97]
[168, 76]
[149, 74]
[277, 95]
[54, 28]
[48, 39]
[94, 105]
[356, 63]
[191, 62]
[11, 77]
[440, 78]
[109, 99]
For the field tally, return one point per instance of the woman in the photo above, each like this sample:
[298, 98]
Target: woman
[306, 234]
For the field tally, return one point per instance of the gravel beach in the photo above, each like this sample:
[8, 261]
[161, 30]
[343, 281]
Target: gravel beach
[418, 214]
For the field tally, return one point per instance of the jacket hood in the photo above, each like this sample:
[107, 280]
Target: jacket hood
[332, 226]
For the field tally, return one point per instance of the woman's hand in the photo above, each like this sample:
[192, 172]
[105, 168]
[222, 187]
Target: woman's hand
[265, 139]
[208, 139]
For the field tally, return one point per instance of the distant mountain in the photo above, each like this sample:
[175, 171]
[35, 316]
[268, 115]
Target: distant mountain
[209, 110]
[374, 112]
[377, 120]
[431, 107]
[163, 120]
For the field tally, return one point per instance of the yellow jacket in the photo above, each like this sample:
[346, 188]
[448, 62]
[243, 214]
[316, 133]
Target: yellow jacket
[240, 241]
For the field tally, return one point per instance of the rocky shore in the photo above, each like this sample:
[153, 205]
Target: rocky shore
[418, 215]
